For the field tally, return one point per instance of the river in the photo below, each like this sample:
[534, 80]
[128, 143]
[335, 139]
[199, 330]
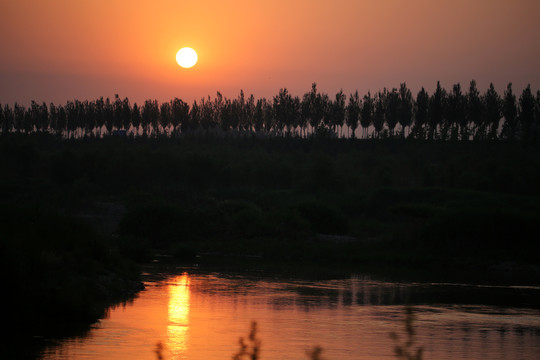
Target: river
[197, 315]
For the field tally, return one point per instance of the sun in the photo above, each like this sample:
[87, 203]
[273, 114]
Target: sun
[186, 57]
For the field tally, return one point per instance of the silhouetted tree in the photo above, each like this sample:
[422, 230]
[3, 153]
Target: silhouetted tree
[421, 114]
[71, 118]
[249, 114]
[155, 117]
[353, 112]
[241, 110]
[437, 108]
[9, 119]
[218, 109]
[366, 113]
[207, 115]
[314, 106]
[194, 119]
[42, 118]
[18, 117]
[90, 118]
[527, 104]
[286, 110]
[150, 117]
[406, 104]
[117, 113]
[126, 114]
[2, 119]
[108, 112]
[337, 111]
[179, 113]
[136, 119]
[475, 108]
[296, 111]
[82, 118]
[236, 113]
[258, 116]
[536, 122]
[392, 110]
[27, 124]
[456, 114]
[457, 108]
[226, 115]
[19, 113]
[31, 117]
[100, 115]
[379, 113]
[509, 111]
[53, 118]
[269, 116]
[493, 105]
[165, 116]
[61, 127]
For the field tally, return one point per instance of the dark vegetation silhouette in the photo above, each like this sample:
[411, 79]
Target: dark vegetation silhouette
[438, 186]
[59, 277]
[443, 115]
[455, 208]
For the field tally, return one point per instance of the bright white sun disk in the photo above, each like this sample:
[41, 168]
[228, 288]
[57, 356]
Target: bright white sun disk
[186, 57]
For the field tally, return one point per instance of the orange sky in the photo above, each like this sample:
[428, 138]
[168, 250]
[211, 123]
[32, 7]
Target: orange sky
[56, 50]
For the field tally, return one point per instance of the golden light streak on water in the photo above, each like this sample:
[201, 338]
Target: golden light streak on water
[178, 315]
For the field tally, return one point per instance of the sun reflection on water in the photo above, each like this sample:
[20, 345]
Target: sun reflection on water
[178, 314]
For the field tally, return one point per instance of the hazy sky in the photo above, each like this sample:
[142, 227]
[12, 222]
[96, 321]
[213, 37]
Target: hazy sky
[56, 50]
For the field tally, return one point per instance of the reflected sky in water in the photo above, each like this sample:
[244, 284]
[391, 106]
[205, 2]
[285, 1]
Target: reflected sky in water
[202, 316]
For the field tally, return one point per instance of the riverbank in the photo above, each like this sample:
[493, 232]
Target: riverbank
[60, 276]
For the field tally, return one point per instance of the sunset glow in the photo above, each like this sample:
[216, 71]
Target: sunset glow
[54, 51]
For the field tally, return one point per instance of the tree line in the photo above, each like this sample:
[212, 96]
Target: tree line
[442, 115]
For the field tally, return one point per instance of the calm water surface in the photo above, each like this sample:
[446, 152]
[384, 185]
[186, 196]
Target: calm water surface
[202, 316]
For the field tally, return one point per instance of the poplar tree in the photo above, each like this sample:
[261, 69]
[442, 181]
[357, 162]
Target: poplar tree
[392, 110]
[527, 104]
[379, 112]
[366, 113]
[9, 119]
[314, 106]
[337, 111]
[457, 108]
[2, 120]
[421, 114]
[353, 112]
[194, 119]
[475, 108]
[136, 118]
[437, 109]
[405, 108]
[493, 104]
[165, 115]
[179, 113]
[510, 112]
